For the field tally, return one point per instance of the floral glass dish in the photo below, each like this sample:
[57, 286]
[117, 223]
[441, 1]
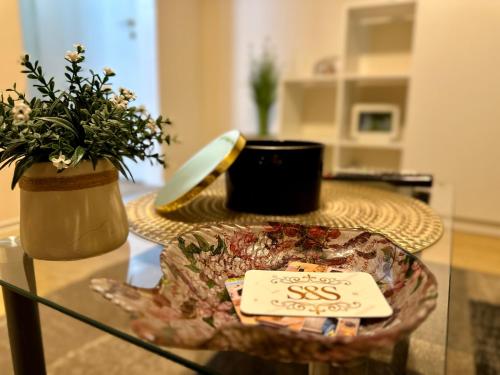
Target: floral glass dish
[190, 307]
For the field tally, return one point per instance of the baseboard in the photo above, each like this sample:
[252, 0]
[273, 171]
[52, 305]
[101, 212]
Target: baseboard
[476, 227]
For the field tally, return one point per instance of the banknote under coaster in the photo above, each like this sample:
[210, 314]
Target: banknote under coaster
[321, 325]
[346, 327]
[234, 287]
[326, 294]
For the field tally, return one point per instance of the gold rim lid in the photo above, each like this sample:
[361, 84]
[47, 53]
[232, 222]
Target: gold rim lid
[200, 171]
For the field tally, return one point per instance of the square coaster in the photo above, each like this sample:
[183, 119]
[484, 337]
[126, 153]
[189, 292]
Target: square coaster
[347, 294]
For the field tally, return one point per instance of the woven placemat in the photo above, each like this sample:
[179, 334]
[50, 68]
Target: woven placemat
[408, 222]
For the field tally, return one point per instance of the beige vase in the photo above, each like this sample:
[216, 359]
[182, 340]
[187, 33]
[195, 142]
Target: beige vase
[71, 215]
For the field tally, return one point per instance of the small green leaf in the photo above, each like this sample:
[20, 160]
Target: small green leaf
[181, 242]
[77, 155]
[211, 283]
[193, 268]
[202, 243]
[224, 296]
[21, 167]
[209, 320]
[221, 246]
[193, 249]
[417, 285]
[61, 122]
[410, 270]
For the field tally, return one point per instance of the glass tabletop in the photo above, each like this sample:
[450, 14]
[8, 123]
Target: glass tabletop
[137, 263]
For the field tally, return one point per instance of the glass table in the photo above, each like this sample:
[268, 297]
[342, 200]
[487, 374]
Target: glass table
[137, 262]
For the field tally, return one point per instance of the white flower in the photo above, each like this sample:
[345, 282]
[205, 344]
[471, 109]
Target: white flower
[106, 88]
[79, 47]
[21, 112]
[108, 71]
[73, 56]
[20, 118]
[21, 107]
[60, 162]
[119, 101]
[142, 110]
[151, 124]
[127, 94]
[23, 59]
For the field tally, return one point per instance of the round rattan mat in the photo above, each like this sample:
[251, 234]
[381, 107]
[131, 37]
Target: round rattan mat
[408, 222]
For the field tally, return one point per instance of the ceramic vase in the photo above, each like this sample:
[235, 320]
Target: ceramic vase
[75, 214]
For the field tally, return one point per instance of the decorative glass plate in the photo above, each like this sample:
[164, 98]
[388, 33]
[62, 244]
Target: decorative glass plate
[190, 307]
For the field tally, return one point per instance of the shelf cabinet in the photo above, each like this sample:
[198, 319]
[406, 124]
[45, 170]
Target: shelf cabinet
[309, 110]
[369, 158]
[379, 38]
[392, 92]
[376, 69]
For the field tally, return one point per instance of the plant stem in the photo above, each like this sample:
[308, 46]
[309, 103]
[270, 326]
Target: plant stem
[263, 121]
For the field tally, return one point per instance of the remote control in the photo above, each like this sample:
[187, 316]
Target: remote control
[394, 178]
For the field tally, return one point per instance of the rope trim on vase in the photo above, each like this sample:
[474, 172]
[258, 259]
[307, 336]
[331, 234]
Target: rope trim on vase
[83, 181]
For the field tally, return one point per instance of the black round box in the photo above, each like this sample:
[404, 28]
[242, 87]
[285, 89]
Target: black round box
[276, 177]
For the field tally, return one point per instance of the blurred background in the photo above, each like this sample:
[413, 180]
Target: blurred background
[388, 86]
[434, 62]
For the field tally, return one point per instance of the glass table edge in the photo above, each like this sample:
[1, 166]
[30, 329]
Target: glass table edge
[201, 368]
[115, 332]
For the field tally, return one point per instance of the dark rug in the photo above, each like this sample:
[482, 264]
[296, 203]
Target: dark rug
[485, 318]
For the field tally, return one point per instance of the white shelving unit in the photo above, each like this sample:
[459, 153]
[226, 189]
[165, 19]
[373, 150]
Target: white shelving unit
[376, 59]
[309, 112]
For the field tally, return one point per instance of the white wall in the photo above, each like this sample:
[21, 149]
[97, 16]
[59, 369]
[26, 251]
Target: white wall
[195, 44]
[299, 33]
[205, 49]
[454, 119]
[11, 50]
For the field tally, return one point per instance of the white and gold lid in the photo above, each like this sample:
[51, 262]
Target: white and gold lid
[200, 171]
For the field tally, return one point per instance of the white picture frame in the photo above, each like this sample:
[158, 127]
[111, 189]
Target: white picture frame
[374, 122]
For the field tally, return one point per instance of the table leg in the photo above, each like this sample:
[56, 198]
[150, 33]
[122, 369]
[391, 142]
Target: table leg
[25, 336]
[400, 356]
[357, 367]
